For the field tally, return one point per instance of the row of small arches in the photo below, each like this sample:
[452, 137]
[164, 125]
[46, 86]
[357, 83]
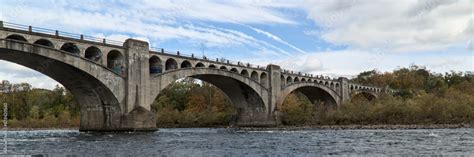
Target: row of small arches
[289, 80]
[355, 87]
[156, 67]
[115, 58]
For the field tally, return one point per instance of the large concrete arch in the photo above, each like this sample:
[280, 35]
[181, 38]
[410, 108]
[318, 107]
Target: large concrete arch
[97, 89]
[246, 94]
[362, 93]
[312, 91]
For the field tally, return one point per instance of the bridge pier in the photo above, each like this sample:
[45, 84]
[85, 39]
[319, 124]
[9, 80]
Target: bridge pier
[137, 109]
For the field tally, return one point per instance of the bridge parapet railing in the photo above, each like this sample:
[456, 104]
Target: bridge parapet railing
[57, 33]
[206, 59]
[31, 29]
[311, 76]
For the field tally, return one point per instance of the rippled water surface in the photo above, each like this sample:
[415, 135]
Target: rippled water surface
[232, 142]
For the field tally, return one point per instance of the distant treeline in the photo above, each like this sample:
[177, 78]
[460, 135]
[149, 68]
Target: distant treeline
[192, 103]
[34, 108]
[422, 97]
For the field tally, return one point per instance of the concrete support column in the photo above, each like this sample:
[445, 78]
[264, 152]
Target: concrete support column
[344, 89]
[275, 89]
[137, 113]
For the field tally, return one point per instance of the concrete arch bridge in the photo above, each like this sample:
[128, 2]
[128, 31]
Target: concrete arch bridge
[115, 83]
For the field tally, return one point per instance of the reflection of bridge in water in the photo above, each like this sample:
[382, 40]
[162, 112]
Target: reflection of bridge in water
[115, 83]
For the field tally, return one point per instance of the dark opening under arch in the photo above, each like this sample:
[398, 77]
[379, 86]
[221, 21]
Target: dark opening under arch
[363, 96]
[186, 64]
[234, 70]
[289, 80]
[71, 48]
[263, 79]
[200, 65]
[296, 79]
[171, 64]
[17, 38]
[44, 42]
[115, 61]
[244, 73]
[155, 65]
[254, 75]
[317, 95]
[93, 53]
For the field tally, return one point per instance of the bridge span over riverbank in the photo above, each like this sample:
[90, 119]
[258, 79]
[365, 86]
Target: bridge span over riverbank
[116, 82]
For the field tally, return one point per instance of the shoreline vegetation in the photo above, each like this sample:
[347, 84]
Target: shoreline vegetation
[423, 100]
[290, 128]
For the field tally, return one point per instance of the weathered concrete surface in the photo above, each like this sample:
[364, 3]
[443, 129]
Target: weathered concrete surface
[116, 86]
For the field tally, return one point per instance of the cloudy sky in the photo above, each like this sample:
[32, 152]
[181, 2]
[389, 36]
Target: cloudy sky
[331, 37]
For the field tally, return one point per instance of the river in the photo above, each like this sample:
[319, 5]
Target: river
[233, 142]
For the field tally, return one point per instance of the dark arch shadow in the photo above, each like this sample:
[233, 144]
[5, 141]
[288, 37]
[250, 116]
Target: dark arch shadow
[17, 38]
[71, 48]
[44, 42]
[249, 104]
[100, 109]
[363, 95]
[315, 94]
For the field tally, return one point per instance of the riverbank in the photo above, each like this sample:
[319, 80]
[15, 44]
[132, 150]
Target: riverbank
[291, 128]
[356, 127]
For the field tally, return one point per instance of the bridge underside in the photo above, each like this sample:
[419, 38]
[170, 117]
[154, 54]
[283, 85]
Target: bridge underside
[251, 109]
[317, 95]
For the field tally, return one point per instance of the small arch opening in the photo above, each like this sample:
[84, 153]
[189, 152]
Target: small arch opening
[115, 61]
[223, 68]
[212, 66]
[185, 64]
[263, 79]
[171, 64]
[93, 53]
[254, 75]
[71, 48]
[44, 42]
[234, 70]
[155, 65]
[289, 80]
[17, 38]
[244, 73]
[200, 65]
[296, 79]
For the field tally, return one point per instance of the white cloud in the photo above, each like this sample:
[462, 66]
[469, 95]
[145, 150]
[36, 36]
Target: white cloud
[228, 12]
[19, 74]
[151, 20]
[409, 26]
[352, 62]
[276, 38]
